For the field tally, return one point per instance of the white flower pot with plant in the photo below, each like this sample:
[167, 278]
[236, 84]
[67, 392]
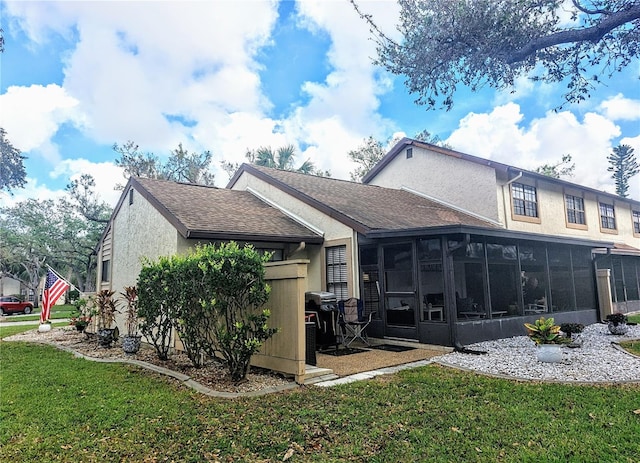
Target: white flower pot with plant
[617, 323]
[546, 334]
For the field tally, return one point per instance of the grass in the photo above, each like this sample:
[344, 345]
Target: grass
[631, 346]
[55, 407]
[57, 312]
[634, 318]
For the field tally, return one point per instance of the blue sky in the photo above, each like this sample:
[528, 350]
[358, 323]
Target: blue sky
[227, 76]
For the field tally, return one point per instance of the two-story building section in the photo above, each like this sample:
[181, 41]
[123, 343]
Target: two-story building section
[527, 202]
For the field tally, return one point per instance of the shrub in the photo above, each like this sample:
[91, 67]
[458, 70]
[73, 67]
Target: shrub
[232, 290]
[154, 303]
[213, 298]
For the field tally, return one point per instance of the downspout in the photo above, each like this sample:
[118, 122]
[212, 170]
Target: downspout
[300, 247]
[504, 200]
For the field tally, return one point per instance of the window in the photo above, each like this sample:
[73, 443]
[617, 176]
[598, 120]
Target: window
[525, 201]
[337, 271]
[409, 153]
[607, 216]
[575, 210]
[105, 271]
[130, 196]
[636, 221]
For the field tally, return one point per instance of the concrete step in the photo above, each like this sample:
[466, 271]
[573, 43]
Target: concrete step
[312, 371]
[320, 379]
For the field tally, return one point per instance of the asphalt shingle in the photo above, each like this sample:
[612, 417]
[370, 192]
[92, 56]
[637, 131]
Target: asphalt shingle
[203, 210]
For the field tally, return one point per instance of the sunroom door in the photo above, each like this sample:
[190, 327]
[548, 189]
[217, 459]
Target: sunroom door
[400, 291]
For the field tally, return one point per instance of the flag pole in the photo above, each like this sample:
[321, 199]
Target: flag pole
[58, 275]
[55, 286]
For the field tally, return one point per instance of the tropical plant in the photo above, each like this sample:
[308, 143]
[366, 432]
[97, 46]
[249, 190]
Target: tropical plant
[283, 159]
[617, 318]
[544, 331]
[130, 296]
[106, 308]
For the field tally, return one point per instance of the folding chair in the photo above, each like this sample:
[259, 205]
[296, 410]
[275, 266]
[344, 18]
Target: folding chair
[353, 321]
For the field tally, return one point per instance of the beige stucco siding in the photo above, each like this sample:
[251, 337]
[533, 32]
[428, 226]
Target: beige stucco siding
[553, 215]
[461, 183]
[139, 230]
[332, 230]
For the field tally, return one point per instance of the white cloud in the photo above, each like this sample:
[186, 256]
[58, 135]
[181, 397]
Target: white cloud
[32, 189]
[499, 135]
[106, 175]
[619, 107]
[135, 63]
[32, 115]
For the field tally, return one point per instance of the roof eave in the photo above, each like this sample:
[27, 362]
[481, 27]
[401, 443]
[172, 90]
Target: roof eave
[493, 232]
[231, 236]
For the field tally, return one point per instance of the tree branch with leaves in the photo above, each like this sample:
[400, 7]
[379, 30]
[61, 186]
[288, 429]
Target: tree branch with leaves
[476, 43]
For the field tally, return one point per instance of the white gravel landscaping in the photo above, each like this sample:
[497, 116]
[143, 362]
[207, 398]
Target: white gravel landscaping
[598, 360]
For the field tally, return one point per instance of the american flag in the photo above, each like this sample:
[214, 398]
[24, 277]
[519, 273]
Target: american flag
[53, 289]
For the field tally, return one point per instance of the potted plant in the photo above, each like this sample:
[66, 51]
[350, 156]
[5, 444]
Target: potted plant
[617, 323]
[569, 329]
[131, 341]
[546, 334]
[106, 313]
[83, 315]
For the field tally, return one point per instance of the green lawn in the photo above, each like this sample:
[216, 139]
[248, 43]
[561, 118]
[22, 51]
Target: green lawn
[634, 318]
[55, 407]
[57, 312]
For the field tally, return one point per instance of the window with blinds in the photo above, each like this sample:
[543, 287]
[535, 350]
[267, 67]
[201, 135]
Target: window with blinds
[336, 258]
[607, 216]
[575, 210]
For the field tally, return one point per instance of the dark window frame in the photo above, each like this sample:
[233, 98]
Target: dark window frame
[575, 209]
[635, 218]
[607, 216]
[525, 200]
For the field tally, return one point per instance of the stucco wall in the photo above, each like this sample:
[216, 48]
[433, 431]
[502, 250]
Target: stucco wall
[552, 214]
[139, 230]
[455, 181]
[332, 230]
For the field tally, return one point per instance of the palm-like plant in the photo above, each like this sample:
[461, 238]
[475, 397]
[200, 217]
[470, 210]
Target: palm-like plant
[544, 331]
[282, 159]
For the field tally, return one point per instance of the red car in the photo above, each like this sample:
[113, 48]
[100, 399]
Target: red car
[11, 304]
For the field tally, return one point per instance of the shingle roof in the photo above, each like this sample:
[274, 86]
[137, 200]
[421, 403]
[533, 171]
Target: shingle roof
[366, 208]
[199, 211]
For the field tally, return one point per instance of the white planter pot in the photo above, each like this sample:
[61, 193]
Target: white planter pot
[619, 329]
[550, 353]
[44, 327]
